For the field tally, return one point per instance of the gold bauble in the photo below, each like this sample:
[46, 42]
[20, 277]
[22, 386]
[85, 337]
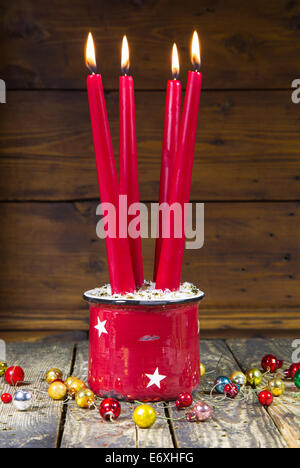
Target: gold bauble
[85, 398]
[57, 390]
[144, 416]
[75, 386]
[3, 368]
[238, 378]
[53, 374]
[69, 381]
[276, 387]
[254, 377]
[202, 369]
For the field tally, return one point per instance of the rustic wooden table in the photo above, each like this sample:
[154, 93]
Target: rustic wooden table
[236, 424]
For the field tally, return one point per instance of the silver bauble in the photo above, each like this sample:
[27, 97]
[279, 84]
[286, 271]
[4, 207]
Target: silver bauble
[22, 400]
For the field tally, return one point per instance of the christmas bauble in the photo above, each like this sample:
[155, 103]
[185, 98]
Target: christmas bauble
[254, 377]
[293, 369]
[75, 386]
[22, 400]
[14, 375]
[202, 369]
[231, 390]
[6, 398]
[297, 379]
[57, 390]
[238, 378]
[184, 400]
[85, 398]
[3, 368]
[53, 374]
[265, 398]
[220, 383]
[279, 363]
[269, 363]
[276, 387]
[144, 416]
[110, 408]
[202, 411]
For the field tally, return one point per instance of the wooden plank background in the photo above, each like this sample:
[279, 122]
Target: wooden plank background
[247, 165]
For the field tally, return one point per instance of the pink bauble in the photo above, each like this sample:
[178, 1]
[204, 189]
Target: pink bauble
[202, 411]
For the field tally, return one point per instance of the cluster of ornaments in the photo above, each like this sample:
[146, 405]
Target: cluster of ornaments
[14, 376]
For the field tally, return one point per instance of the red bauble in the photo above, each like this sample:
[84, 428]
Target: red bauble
[265, 398]
[110, 409]
[184, 400]
[293, 369]
[6, 398]
[231, 390]
[269, 363]
[14, 375]
[279, 363]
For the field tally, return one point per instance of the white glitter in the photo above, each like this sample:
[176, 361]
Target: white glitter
[147, 292]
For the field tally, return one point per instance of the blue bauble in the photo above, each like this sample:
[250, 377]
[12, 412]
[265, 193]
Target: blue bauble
[220, 383]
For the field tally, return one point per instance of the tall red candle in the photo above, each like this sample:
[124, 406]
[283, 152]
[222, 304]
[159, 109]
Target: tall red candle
[171, 258]
[128, 168]
[170, 143]
[118, 253]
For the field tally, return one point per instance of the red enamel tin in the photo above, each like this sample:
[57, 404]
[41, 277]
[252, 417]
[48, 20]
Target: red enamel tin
[143, 350]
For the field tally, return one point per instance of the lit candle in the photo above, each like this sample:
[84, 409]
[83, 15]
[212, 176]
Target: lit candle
[118, 253]
[170, 141]
[128, 168]
[171, 258]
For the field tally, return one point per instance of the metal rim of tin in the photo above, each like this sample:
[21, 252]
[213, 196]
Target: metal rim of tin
[134, 302]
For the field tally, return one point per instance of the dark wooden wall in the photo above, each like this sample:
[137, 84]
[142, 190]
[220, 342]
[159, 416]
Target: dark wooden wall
[247, 162]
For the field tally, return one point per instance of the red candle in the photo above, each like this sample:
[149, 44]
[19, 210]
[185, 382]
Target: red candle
[170, 263]
[128, 169]
[170, 141]
[118, 253]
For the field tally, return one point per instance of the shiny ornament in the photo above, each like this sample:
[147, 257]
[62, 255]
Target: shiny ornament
[184, 400]
[57, 390]
[85, 398]
[3, 368]
[265, 398]
[297, 379]
[200, 411]
[53, 374]
[279, 363]
[202, 369]
[238, 378]
[144, 416]
[276, 387]
[22, 400]
[231, 390]
[269, 363]
[6, 398]
[254, 377]
[69, 381]
[14, 375]
[75, 386]
[220, 383]
[110, 409]
[292, 370]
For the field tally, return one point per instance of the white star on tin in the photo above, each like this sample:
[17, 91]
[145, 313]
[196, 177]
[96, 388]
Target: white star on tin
[101, 327]
[155, 378]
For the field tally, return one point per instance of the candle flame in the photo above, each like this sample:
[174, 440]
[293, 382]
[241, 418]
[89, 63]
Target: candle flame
[175, 62]
[196, 59]
[90, 59]
[125, 56]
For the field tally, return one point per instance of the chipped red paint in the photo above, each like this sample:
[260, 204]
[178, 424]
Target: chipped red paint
[119, 360]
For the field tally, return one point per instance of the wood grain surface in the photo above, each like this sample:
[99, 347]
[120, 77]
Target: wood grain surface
[247, 146]
[39, 426]
[285, 411]
[244, 44]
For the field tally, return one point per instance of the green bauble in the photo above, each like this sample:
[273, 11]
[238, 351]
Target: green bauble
[297, 379]
[3, 367]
